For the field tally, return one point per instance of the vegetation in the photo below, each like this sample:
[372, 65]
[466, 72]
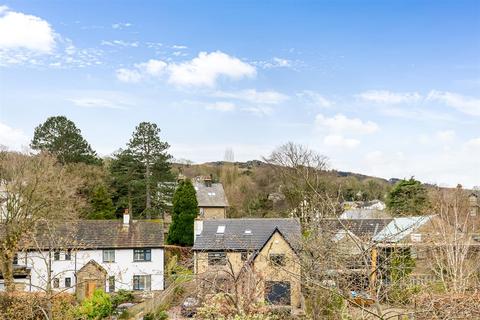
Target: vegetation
[185, 210]
[36, 188]
[97, 307]
[408, 197]
[139, 171]
[61, 137]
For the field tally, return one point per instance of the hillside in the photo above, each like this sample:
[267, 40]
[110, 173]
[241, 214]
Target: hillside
[254, 189]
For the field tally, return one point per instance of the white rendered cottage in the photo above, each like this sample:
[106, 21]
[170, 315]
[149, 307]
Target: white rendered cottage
[93, 254]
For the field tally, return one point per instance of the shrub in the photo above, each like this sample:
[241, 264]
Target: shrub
[160, 315]
[29, 306]
[97, 307]
[121, 296]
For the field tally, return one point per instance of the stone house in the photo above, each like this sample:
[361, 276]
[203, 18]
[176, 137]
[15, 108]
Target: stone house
[211, 198]
[260, 249]
[85, 255]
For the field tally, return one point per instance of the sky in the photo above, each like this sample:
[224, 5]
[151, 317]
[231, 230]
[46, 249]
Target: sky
[384, 88]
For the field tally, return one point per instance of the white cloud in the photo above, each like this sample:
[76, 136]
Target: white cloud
[446, 135]
[22, 31]
[473, 144]
[206, 68]
[341, 124]
[276, 62]
[121, 25]
[315, 98]
[336, 140]
[221, 106]
[462, 103]
[97, 103]
[259, 110]
[389, 97]
[179, 47]
[254, 96]
[152, 67]
[128, 75]
[13, 139]
[119, 43]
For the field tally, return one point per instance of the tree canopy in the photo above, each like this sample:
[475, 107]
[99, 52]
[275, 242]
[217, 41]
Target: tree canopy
[139, 171]
[185, 210]
[61, 137]
[408, 197]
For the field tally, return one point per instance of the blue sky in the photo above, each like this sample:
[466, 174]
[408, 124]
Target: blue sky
[387, 88]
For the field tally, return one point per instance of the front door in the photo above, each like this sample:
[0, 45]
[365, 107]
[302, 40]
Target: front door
[91, 285]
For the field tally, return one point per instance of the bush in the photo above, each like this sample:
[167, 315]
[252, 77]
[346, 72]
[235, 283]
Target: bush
[121, 296]
[29, 306]
[160, 315]
[97, 307]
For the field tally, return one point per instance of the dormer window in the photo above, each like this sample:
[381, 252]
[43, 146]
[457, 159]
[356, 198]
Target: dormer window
[220, 229]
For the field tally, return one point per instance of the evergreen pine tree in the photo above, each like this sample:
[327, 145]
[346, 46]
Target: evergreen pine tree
[185, 210]
[408, 197]
[102, 205]
[61, 137]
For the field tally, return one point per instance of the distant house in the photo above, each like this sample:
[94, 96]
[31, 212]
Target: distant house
[211, 198]
[264, 247]
[93, 254]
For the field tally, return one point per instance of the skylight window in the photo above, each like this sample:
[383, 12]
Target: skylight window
[248, 231]
[211, 193]
[220, 229]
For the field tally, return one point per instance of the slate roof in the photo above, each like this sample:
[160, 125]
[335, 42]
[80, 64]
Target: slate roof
[99, 234]
[235, 239]
[362, 228]
[210, 196]
[401, 227]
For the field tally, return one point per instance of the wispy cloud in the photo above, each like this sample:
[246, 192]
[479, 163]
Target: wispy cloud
[120, 43]
[389, 97]
[221, 106]
[342, 124]
[121, 25]
[315, 99]
[467, 105]
[254, 96]
[97, 103]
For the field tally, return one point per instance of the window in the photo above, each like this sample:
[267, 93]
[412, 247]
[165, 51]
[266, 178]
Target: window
[217, 259]
[68, 254]
[109, 255]
[15, 259]
[220, 229]
[56, 255]
[142, 255]
[56, 283]
[277, 259]
[68, 282]
[142, 283]
[277, 292]
[111, 284]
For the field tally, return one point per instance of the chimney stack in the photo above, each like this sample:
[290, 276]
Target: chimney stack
[126, 217]
[197, 228]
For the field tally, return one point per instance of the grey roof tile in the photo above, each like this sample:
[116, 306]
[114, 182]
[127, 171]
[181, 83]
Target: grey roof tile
[210, 196]
[234, 238]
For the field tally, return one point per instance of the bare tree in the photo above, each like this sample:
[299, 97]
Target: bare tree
[306, 183]
[34, 187]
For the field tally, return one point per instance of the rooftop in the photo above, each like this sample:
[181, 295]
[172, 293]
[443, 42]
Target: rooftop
[244, 234]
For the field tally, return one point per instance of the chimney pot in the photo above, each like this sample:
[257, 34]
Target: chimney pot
[126, 217]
